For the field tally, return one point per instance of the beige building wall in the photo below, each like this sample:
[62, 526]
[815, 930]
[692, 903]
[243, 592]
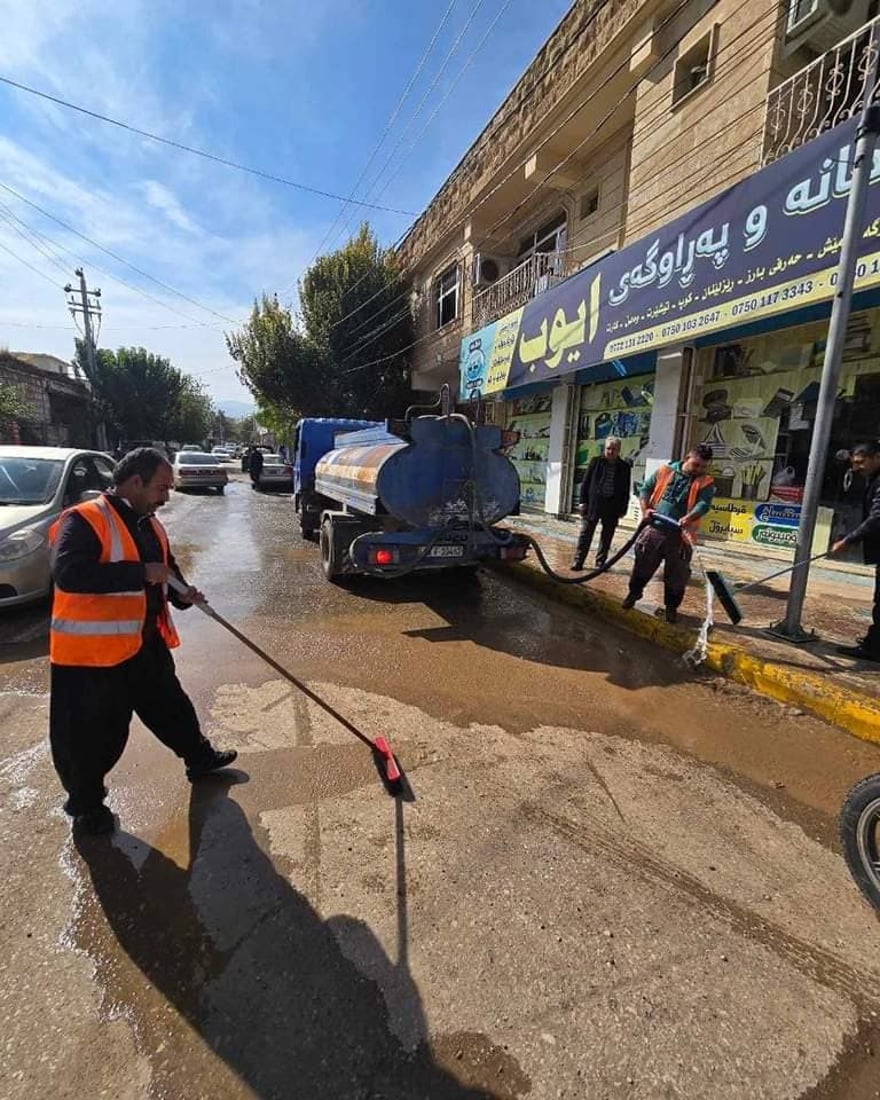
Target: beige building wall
[651, 147]
[590, 234]
[686, 151]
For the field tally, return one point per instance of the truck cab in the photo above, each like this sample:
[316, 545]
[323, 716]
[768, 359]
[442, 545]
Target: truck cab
[314, 437]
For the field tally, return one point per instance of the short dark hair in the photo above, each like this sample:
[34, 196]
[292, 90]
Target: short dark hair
[703, 451]
[142, 462]
[869, 450]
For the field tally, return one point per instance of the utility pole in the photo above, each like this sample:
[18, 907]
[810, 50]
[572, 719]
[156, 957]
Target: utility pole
[82, 304]
[790, 628]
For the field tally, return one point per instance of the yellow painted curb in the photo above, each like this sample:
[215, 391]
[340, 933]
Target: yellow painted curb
[852, 711]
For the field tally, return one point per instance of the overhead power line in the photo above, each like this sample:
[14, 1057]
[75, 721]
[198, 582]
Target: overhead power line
[54, 246]
[26, 324]
[646, 120]
[197, 152]
[564, 161]
[419, 137]
[31, 238]
[453, 50]
[569, 156]
[429, 49]
[116, 256]
[27, 264]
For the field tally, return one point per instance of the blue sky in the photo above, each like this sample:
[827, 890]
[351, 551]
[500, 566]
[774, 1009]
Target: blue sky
[303, 89]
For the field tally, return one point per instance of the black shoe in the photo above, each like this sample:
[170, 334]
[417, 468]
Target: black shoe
[212, 761]
[859, 653]
[630, 602]
[97, 822]
[577, 566]
[671, 615]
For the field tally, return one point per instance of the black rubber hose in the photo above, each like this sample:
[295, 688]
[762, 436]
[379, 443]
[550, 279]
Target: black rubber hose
[591, 576]
[507, 538]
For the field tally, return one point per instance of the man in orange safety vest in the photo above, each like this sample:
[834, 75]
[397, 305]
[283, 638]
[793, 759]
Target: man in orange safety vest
[682, 492]
[111, 637]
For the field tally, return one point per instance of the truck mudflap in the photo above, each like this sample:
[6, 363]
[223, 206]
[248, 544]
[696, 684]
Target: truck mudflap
[392, 552]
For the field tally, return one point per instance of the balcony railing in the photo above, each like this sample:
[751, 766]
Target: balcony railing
[532, 277]
[827, 92]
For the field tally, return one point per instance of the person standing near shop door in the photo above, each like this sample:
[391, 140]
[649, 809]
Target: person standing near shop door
[865, 460]
[604, 498]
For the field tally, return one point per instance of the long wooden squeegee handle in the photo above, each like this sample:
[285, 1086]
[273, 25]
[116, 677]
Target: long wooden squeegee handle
[204, 606]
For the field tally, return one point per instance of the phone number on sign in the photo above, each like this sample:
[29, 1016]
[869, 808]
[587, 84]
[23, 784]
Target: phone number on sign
[772, 297]
[691, 324]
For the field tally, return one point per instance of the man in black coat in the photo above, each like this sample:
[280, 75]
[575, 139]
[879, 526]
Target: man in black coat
[604, 497]
[255, 467]
[865, 459]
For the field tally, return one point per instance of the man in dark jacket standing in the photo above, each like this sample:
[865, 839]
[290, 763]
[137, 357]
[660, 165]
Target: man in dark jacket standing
[865, 459]
[604, 497]
[255, 467]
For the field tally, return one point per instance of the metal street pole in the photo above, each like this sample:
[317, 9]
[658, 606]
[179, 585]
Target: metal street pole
[869, 126]
[86, 308]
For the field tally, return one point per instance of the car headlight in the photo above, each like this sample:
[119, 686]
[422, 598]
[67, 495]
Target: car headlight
[20, 544]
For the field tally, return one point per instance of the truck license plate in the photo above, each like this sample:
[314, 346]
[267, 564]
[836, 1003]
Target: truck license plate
[446, 552]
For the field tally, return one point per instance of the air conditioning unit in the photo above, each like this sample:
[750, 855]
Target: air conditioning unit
[488, 269]
[823, 24]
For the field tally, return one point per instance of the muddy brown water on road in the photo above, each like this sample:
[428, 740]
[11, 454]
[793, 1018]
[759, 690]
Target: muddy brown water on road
[463, 650]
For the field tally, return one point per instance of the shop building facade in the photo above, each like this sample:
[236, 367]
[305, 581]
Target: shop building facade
[648, 268]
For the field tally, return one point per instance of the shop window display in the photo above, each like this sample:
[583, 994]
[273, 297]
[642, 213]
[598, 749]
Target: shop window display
[614, 408]
[756, 408]
[530, 417]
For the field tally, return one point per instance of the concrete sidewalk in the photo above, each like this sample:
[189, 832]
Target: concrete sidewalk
[811, 677]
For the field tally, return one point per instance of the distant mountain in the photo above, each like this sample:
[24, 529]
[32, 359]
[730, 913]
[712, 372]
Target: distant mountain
[236, 409]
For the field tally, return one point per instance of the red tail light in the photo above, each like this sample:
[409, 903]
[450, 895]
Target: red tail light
[384, 557]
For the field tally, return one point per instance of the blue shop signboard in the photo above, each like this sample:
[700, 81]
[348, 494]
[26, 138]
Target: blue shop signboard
[767, 245]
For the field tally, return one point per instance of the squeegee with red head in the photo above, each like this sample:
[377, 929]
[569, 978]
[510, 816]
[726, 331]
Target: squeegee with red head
[384, 759]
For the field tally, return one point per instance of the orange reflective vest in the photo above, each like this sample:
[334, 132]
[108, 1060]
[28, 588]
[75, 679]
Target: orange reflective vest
[98, 630]
[664, 476]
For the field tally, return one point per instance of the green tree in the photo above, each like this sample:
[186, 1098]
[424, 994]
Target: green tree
[347, 356]
[279, 422]
[138, 393]
[191, 420]
[278, 364]
[244, 429]
[12, 406]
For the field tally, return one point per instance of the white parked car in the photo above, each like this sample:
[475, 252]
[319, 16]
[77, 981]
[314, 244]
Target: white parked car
[197, 470]
[36, 485]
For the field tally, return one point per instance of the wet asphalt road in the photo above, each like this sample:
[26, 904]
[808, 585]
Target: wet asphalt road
[612, 880]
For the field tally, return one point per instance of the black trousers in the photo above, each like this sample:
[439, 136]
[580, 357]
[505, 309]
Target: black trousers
[667, 547]
[872, 638]
[90, 713]
[609, 519]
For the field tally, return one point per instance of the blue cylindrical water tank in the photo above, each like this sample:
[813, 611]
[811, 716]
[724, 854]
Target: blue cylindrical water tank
[444, 474]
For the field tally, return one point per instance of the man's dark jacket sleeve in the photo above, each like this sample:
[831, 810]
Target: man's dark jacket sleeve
[589, 477]
[626, 487]
[77, 567]
[870, 527]
[76, 564]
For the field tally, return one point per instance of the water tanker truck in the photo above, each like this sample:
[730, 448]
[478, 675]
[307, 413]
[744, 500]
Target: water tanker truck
[427, 495]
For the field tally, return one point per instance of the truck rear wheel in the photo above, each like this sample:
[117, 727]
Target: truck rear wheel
[329, 564]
